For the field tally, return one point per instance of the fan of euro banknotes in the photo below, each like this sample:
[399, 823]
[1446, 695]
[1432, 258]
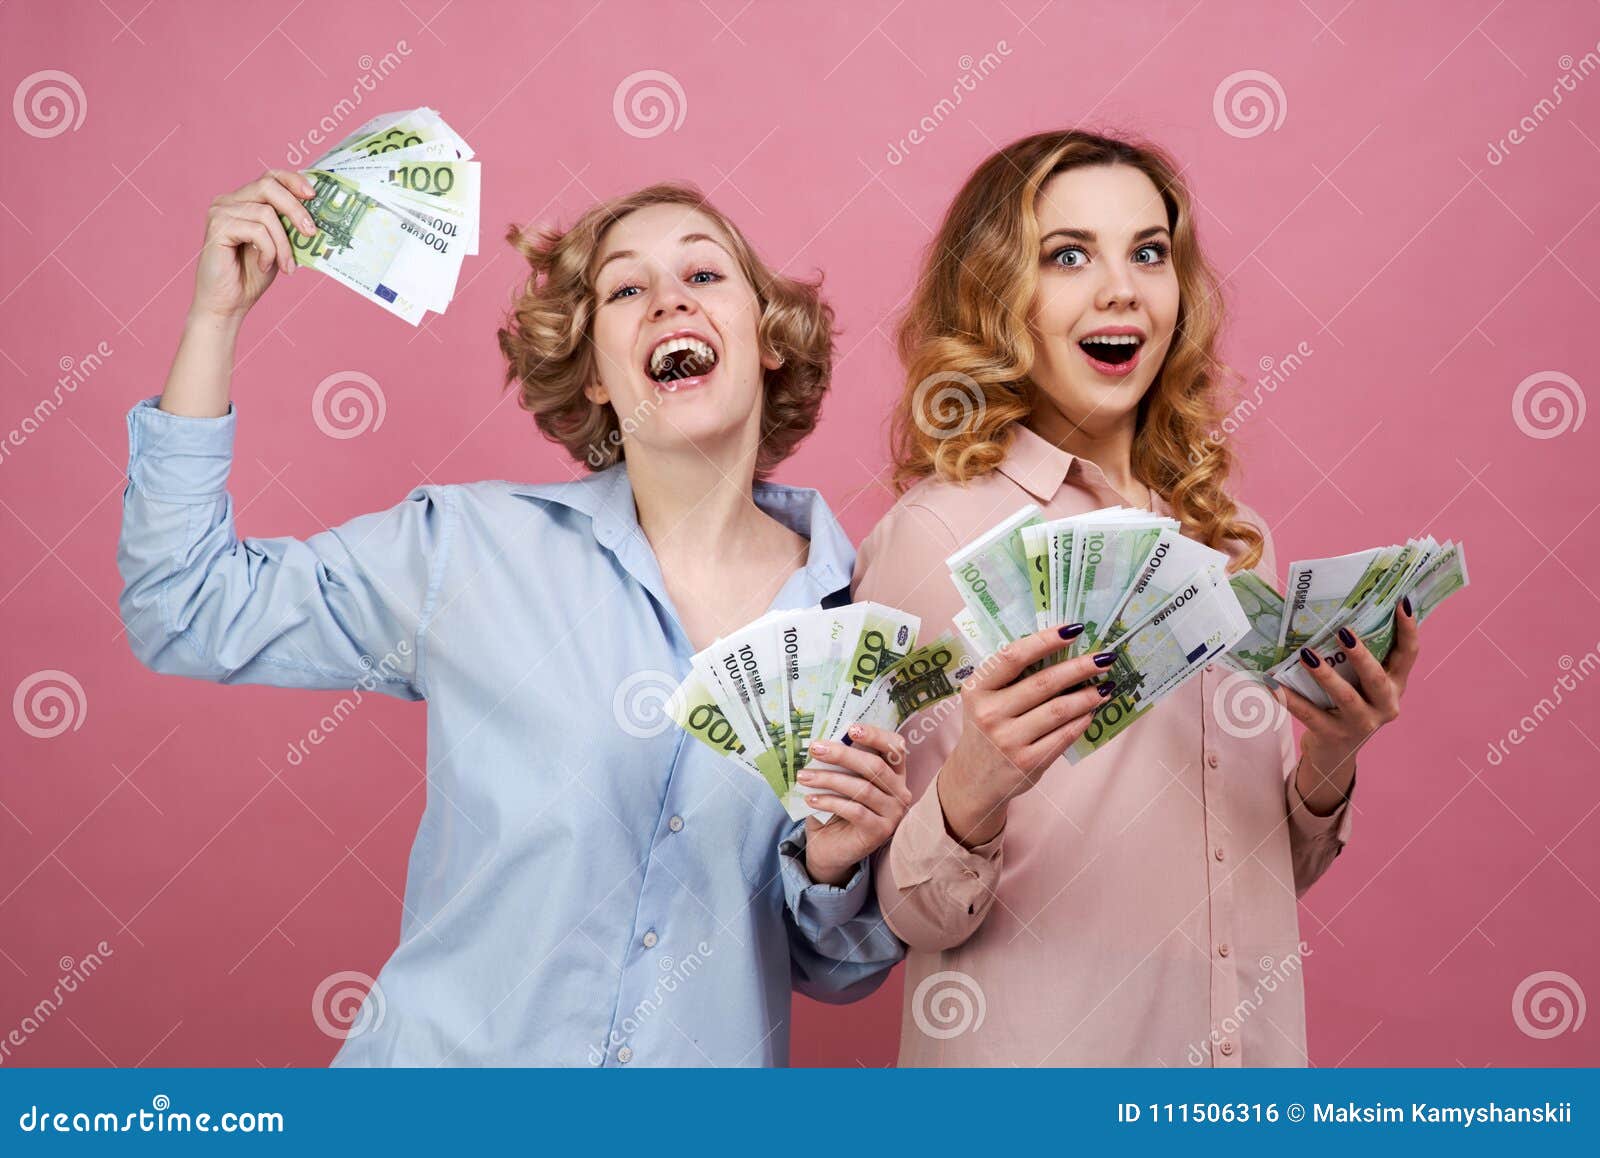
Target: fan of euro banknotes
[1358, 591]
[762, 695]
[1159, 601]
[396, 209]
[1165, 605]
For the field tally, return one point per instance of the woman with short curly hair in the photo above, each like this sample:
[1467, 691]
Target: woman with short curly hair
[1137, 908]
[586, 886]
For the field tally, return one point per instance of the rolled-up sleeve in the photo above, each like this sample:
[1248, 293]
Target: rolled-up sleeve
[1314, 841]
[345, 606]
[839, 946]
[933, 891]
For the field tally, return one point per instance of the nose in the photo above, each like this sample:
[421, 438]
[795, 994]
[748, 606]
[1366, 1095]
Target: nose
[1118, 288]
[668, 296]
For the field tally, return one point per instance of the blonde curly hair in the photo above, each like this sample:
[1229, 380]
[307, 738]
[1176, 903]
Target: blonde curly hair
[547, 338]
[968, 317]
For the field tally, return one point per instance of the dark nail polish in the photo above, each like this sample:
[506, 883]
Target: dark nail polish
[1071, 631]
[847, 741]
[1309, 657]
[1107, 688]
[1405, 605]
[1347, 637]
[1104, 658]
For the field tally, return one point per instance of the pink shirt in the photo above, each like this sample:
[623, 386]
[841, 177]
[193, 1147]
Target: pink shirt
[1139, 908]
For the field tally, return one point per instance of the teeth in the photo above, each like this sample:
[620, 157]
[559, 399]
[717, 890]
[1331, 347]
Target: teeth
[1114, 339]
[700, 350]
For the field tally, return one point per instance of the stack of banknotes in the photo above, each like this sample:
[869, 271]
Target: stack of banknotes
[1358, 591]
[762, 695]
[1160, 602]
[396, 209]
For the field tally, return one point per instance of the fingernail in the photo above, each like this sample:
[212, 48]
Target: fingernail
[1104, 658]
[805, 777]
[1309, 657]
[1107, 688]
[1405, 605]
[1071, 631]
[1347, 637]
[308, 227]
[848, 741]
[820, 746]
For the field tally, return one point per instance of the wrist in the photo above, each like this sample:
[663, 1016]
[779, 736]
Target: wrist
[971, 816]
[200, 322]
[822, 872]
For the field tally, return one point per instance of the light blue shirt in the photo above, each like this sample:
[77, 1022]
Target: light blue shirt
[588, 885]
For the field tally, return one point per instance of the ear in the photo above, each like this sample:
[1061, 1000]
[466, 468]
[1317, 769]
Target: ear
[597, 393]
[771, 360]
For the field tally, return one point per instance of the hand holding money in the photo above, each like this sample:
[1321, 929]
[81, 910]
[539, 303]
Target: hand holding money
[245, 244]
[868, 799]
[1016, 725]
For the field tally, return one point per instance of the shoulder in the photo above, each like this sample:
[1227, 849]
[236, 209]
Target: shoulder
[949, 513]
[1267, 566]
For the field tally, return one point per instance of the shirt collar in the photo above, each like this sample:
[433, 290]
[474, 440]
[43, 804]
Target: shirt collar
[1037, 466]
[1040, 467]
[607, 498]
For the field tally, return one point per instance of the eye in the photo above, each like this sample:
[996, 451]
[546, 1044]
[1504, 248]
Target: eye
[1158, 251]
[622, 291]
[1058, 255]
[705, 277]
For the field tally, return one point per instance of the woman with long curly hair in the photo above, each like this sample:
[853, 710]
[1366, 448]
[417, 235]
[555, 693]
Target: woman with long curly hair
[587, 887]
[1138, 908]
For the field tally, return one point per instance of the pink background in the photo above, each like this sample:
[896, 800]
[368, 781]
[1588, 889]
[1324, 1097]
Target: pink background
[1369, 224]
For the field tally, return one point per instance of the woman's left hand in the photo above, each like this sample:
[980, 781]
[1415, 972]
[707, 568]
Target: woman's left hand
[1334, 734]
[867, 802]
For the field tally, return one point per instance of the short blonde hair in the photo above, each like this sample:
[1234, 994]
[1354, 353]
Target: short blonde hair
[549, 351]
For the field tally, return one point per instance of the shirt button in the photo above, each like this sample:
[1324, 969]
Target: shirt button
[1213, 759]
[1211, 667]
[625, 1054]
[970, 873]
[1219, 853]
[675, 823]
[650, 939]
[1227, 1048]
[1224, 949]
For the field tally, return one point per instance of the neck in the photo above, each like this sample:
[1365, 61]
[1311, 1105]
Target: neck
[1109, 448]
[693, 502]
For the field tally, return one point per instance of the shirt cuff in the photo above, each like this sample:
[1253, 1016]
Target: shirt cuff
[923, 848]
[176, 458]
[1309, 824]
[818, 907]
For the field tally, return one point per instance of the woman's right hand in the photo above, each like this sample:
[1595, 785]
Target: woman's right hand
[1013, 729]
[245, 244]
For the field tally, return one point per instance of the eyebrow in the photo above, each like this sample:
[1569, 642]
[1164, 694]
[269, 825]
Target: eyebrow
[1089, 235]
[686, 239]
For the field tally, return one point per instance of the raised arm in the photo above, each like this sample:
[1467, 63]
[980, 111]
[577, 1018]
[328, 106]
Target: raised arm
[345, 606]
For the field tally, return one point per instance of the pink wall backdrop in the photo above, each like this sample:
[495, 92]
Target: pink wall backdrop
[1406, 212]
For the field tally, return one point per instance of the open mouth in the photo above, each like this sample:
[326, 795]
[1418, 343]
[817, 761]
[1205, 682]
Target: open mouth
[675, 359]
[1112, 349]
